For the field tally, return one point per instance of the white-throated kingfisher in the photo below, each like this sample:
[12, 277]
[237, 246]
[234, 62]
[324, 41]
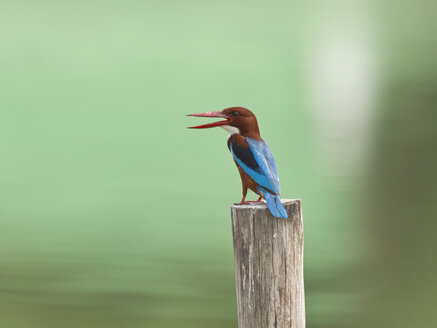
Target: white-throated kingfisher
[251, 154]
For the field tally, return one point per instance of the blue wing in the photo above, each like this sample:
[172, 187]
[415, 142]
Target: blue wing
[258, 162]
[264, 157]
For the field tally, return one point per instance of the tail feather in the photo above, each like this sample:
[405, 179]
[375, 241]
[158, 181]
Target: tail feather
[281, 208]
[274, 204]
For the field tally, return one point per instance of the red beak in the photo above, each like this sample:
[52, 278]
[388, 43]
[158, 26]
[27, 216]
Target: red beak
[210, 125]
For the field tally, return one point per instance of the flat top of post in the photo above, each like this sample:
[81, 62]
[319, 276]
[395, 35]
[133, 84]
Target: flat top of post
[263, 204]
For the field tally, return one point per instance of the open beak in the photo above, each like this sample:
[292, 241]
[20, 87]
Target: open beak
[210, 125]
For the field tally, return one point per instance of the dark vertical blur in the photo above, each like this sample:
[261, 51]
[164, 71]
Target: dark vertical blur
[402, 209]
[402, 195]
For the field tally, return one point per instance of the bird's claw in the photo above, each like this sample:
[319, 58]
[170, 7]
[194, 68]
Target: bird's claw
[247, 202]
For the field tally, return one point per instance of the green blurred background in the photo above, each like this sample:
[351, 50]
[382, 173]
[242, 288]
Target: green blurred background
[113, 214]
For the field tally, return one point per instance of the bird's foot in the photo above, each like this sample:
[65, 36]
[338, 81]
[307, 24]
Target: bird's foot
[256, 201]
[247, 202]
[242, 203]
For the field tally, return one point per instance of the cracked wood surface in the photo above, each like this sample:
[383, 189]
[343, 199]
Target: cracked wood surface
[268, 254]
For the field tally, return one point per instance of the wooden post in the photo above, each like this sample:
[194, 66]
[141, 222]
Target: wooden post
[269, 266]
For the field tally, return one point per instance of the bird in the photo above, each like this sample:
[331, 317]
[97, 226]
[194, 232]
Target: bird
[251, 154]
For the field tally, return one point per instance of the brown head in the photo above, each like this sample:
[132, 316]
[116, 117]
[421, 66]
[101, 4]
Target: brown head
[239, 120]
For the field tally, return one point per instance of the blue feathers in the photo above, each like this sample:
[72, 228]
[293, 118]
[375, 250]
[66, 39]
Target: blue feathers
[255, 173]
[266, 162]
[274, 204]
[258, 162]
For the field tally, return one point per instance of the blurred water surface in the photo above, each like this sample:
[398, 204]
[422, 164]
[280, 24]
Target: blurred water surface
[112, 214]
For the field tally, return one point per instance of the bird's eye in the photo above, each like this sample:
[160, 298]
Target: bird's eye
[234, 113]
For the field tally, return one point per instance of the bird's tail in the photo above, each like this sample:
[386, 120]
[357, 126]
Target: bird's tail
[274, 204]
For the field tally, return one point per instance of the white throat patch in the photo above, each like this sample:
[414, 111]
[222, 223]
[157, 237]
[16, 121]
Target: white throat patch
[231, 129]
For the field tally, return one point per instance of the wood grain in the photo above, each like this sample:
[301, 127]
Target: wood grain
[268, 254]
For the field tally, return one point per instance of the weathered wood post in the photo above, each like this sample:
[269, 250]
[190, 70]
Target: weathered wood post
[269, 266]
